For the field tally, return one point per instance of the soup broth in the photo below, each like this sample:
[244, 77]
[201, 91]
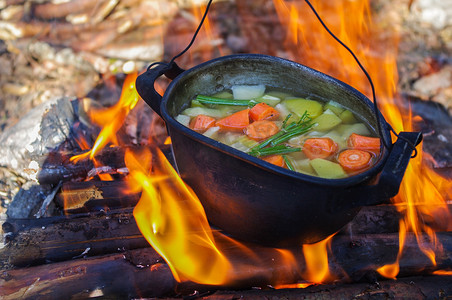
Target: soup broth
[306, 135]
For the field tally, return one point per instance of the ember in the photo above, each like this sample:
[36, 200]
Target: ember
[106, 162]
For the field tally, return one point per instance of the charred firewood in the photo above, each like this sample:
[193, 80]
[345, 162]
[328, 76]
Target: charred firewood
[32, 201]
[58, 166]
[92, 196]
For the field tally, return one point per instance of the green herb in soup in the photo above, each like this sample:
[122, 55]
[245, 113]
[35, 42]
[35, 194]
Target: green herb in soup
[308, 136]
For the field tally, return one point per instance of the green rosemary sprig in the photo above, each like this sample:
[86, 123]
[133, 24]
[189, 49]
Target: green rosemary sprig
[279, 149]
[288, 163]
[220, 101]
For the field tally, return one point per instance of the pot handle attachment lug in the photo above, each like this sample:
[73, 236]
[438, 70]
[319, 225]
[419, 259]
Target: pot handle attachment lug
[390, 177]
[145, 83]
[394, 169]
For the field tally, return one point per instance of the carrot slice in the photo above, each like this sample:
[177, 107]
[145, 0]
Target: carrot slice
[319, 147]
[263, 111]
[353, 160]
[201, 123]
[277, 160]
[260, 130]
[235, 122]
[360, 142]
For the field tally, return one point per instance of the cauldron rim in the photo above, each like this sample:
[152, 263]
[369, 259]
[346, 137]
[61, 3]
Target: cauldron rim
[340, 182]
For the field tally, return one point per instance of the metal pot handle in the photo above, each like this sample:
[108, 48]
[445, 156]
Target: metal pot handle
[145, 83]
[390, 178]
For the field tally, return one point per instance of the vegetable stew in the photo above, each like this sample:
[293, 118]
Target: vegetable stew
[303, 134]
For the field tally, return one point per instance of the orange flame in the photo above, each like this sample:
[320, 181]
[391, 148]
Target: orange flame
[443, 272]
[316, 257]
[313, 46]
[173, 221]
[316, 265]
[391, 270]
[112, 118]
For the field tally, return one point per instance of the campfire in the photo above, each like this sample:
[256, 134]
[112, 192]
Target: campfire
[103, 211]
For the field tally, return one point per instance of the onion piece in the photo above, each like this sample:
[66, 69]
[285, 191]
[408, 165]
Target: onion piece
[244, 92]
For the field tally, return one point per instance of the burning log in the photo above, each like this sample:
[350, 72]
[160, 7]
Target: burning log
[35, 241]
[143, 273]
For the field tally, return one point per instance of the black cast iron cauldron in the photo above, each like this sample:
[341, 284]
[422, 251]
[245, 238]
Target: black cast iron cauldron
[249, 198]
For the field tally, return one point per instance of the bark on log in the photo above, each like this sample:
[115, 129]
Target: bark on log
[360, 255]
[108, 276]
[141, 273]
[29, 242]
[375, 219]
